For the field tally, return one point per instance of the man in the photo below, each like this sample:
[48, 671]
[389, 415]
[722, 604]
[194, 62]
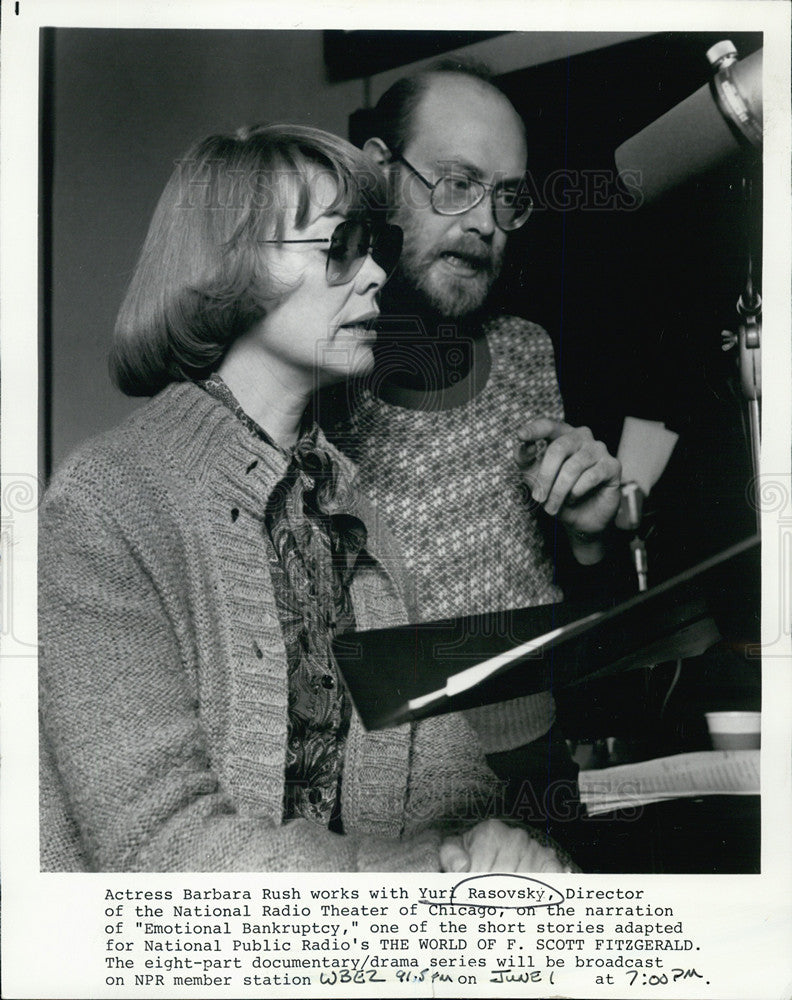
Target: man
[463, 410]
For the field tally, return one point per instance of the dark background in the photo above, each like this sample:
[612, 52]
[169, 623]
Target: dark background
[635, 301]
[351, 54]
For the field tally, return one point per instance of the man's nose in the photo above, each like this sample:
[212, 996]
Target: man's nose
[480, 218]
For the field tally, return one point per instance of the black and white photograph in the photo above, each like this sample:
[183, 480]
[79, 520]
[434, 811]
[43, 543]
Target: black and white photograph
[402, 502]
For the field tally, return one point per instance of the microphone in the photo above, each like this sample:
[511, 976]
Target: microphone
[629, 519]
[644, 450]
[702, 131]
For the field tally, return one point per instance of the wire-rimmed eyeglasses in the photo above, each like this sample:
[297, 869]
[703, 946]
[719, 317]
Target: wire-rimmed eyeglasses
[455, 194]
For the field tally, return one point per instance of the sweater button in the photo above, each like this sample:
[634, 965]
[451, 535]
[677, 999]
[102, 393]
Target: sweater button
[328, 681]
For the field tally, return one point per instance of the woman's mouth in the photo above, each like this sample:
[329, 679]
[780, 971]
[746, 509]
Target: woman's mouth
[362, 328]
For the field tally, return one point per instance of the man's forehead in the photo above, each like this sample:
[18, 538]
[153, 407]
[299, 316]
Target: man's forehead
[465, 121]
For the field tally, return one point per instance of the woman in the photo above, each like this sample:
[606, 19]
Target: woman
[197, 562]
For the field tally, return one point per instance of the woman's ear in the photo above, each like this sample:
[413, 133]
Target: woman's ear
[376, 150]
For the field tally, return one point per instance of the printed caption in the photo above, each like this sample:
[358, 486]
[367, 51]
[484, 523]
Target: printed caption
[485, 930]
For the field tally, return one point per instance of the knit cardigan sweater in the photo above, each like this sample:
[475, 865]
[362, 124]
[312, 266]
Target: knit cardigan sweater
[163, 678]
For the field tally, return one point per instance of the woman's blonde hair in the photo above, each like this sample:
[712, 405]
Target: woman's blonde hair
[201, 279]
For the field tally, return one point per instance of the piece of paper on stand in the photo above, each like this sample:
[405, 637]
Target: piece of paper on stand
[644, 450]
[684, 775]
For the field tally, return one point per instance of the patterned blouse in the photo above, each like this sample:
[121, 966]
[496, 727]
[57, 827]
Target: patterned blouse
[315, 547]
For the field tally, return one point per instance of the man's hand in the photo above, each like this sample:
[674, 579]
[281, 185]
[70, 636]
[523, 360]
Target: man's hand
[492, 846]
[576, 478]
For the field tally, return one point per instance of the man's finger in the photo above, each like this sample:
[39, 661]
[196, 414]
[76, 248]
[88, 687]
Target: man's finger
[585, 470]
[606, 472]
[543, 427]
[569, 474]
[573, 447]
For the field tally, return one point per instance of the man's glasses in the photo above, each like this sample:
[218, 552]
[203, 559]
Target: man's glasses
[455, 194]
[351, 242]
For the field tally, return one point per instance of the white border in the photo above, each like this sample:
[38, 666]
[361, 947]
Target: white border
[750, 925]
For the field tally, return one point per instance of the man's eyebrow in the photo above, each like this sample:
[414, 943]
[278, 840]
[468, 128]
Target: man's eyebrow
[470, 168]
[461, 164]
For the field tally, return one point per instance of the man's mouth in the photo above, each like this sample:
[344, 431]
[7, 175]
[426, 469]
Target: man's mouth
[464, 263]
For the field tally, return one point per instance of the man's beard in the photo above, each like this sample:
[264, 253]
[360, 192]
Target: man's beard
[417, 284]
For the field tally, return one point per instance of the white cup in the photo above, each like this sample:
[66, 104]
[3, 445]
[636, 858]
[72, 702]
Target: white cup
[735, 730]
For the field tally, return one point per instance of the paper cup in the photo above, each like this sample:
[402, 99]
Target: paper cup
[735, 730]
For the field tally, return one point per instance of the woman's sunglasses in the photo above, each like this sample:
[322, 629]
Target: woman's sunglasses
[350, 244]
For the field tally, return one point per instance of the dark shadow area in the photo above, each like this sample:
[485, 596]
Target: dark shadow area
[712, 835]
[635, 300]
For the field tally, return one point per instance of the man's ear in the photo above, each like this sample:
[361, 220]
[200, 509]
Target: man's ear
[376, 150]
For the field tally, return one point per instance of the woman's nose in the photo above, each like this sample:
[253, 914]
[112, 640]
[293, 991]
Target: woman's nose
[371, 277]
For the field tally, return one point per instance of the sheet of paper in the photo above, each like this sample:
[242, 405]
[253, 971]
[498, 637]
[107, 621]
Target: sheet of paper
[685, 775]
[644, 451]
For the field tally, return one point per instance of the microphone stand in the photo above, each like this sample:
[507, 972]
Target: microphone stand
[748, 341]
[736, 103]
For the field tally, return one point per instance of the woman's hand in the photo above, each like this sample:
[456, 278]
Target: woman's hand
[492, 846]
